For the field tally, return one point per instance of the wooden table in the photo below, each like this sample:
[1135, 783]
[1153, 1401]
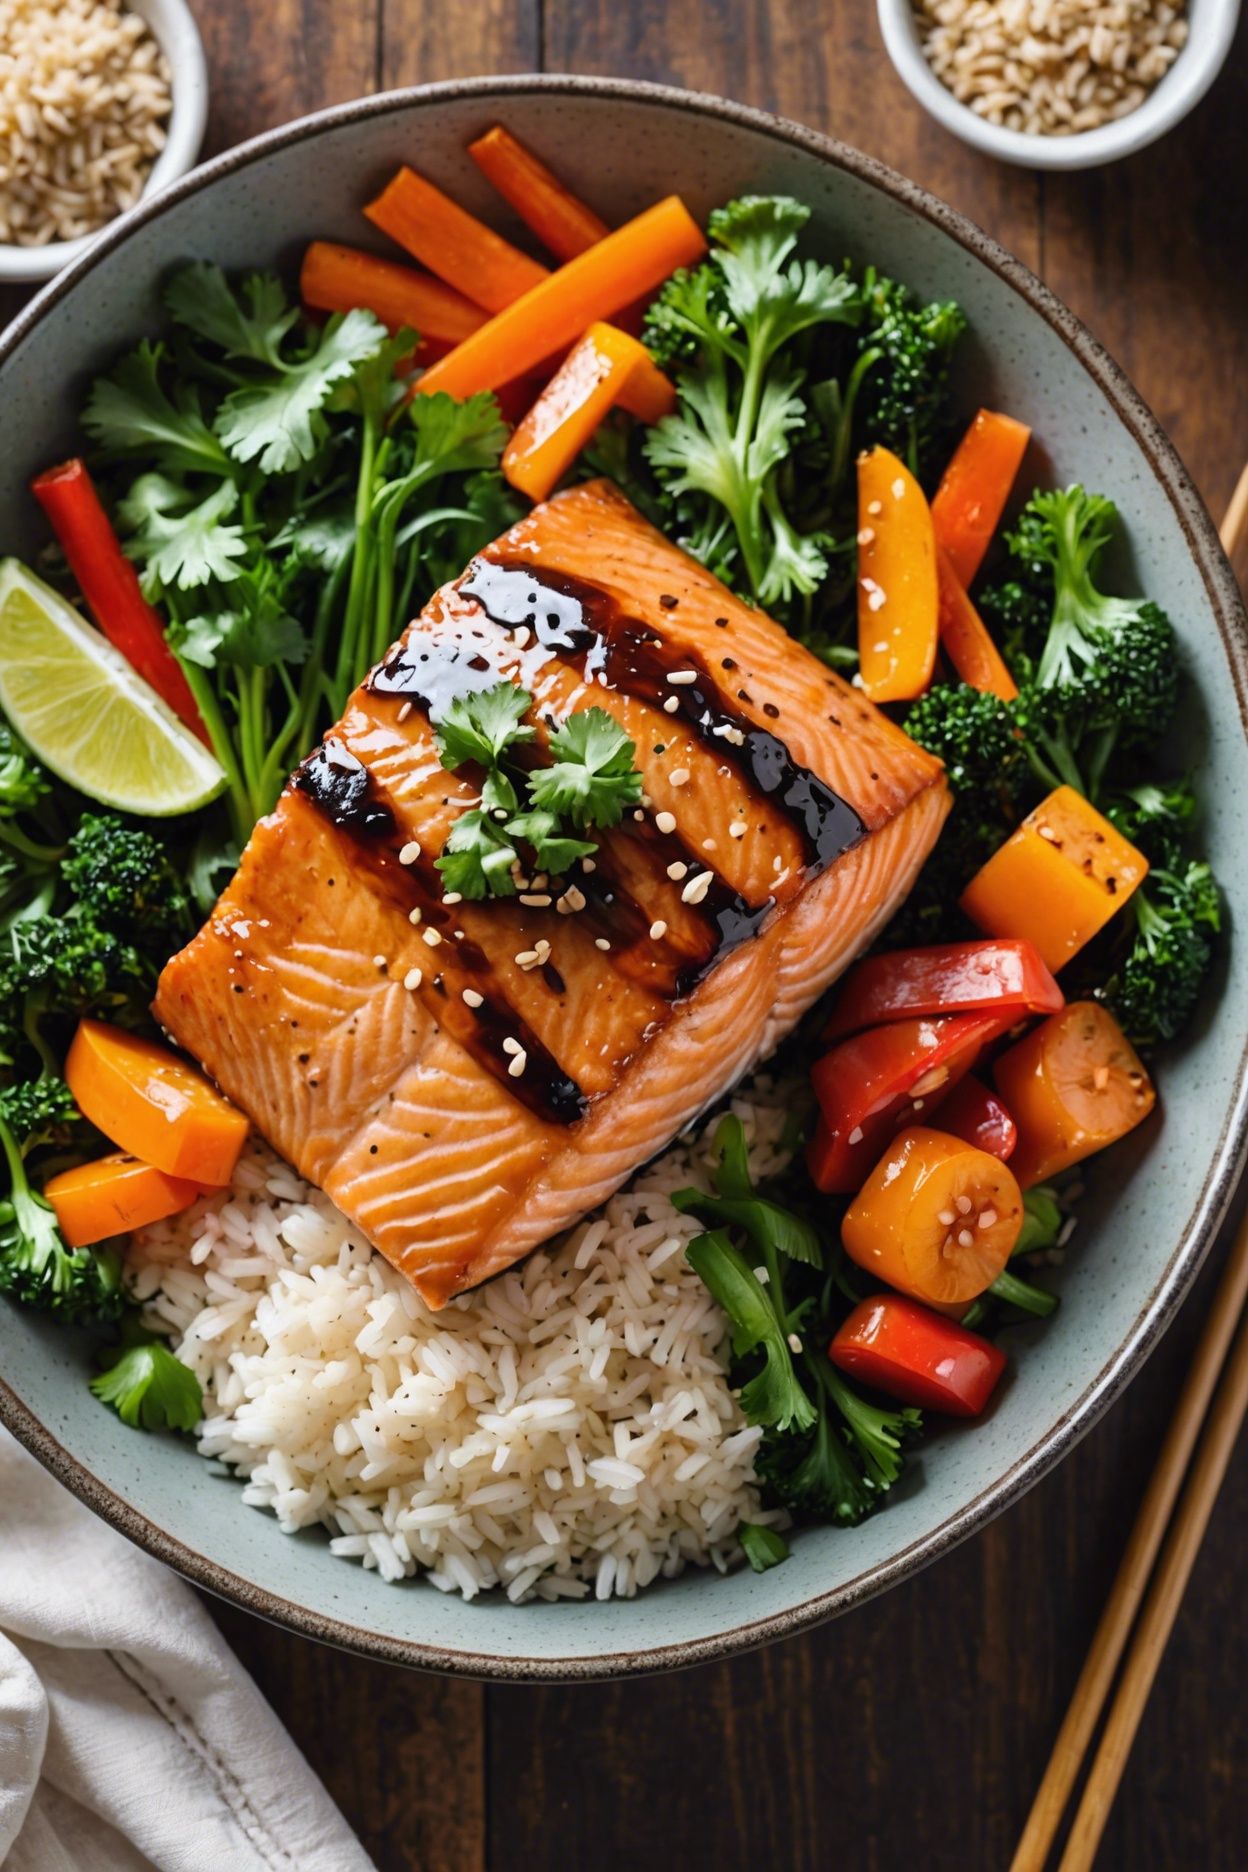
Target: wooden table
[911, 1732]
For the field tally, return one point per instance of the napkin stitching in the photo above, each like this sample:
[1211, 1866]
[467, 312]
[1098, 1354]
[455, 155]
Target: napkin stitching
[231, 1790]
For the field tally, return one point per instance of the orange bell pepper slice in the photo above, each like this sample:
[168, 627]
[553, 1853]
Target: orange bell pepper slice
[964, 636]
[1058, 880]
[337, 279]
[976, 485]
[154, 1105]
[114, 1195]
[1073, 1085]
[898, 599]
[630, 261]
[605, 368]
[461, 250]
[937, 1218]
[548, 209]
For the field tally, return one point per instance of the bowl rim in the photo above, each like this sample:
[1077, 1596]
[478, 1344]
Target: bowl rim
[1228, 1153]
[1175, 95]
[174, 28]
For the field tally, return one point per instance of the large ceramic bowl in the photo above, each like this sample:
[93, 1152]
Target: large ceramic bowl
[1150, 1220]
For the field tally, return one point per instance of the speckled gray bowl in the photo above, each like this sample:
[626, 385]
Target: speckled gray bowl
[1155, 1210]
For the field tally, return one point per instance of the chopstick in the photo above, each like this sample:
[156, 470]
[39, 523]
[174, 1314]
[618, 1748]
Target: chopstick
[1145, 1543]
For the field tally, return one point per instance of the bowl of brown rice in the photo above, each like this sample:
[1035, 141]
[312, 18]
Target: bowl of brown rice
[1058, 84]
[102, 103]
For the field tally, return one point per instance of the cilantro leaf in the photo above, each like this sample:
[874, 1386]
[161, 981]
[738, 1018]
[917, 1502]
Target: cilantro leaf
[593, 777]
[179, 541]
[877, 1433]
[150, 1389]
[774, 1396]
[763, 1547]
[769, 1228]
[554, 852]
[454, 437]
[129, 413]
[478, 858]
[280, 422]
[249, 322]
[481, 727]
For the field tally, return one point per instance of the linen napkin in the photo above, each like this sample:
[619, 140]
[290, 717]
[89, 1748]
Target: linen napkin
[130, 1736]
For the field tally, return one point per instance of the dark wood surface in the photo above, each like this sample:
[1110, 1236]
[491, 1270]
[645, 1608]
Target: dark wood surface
[911, 1733]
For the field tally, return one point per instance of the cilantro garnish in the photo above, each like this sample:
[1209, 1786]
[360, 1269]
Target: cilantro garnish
[149, 1388]
[593, 778]
[481, 727]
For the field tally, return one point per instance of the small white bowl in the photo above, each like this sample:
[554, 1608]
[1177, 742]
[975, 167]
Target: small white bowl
[1211, 28]
[173, 26]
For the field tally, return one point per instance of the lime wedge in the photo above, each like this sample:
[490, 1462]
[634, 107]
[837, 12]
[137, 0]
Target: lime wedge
[86, 713]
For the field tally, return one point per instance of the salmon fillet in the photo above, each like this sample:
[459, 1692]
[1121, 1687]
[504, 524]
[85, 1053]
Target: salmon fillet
[465, 1079]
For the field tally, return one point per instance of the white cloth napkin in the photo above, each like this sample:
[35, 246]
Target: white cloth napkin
[130, 1736]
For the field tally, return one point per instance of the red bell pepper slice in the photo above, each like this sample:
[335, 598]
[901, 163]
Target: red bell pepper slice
[975, 1114]
[110, 585]
[872, 1085]
[949, 978]
[914, 1355]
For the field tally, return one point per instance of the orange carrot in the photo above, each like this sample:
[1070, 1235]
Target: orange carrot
[629, 262]
[114, 1195]
[1074, 1085]
[337, 279]
[453, 244]
[153, 1104]
[897, 592]
[563, 224]
[964, 636]
[593, 377]
[1057, 880]
[976, 485]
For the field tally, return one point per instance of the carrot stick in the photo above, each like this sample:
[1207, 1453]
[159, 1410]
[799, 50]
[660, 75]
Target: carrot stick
[110, 585]
[452, 243]
[153, 1105]
[591, 379]
[337, 279]
[976, 485]
[563, 224]
[633, 260]
[964, 636]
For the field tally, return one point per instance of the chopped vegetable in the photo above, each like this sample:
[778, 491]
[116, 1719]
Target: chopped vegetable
[112, 1196]
[595, 376]
[338, 279]
[900, 379]
[976, 1115]
[973, 491]
[898, 607]
[937, 1219]
[1074, 1085]
[563, 224]
[482, 726]
[153, 1105]
[1058, 880]
[148, 1387]
[869, 1086]
[964, 638]
[110, 585]
[36, 1267]
[461, 250]
[910, 1353]
[949, 978]
[593, 779]
[124, 878]
[763, 1547]
[768, 1226]
[632, 260]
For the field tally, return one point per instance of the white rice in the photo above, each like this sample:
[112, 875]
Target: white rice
[567, 1429]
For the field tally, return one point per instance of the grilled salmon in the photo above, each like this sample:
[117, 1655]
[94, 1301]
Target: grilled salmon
[465, 1079]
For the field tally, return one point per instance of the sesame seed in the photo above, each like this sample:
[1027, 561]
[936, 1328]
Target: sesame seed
[452, 897]
[880, 647]
[727, 732]
[527, 958]
[695, 890]
[573, 899]
[1047, 832]
[472, 998]
[600, 942]
[413, 978]
[875, 507]
[413, 916]
[379, 961]
[963, 1205]
[519, 1061]
[588, 864]
[738, 829]
[795, 1343]
[410, 852]
[866, 535]
[898, 488]
[665, 821]
[639, 816]
[671, 705]
[946, 1218]
[405, 710]
[536, 900]
[658, 930]
[677, 870]
[682, 676]
[876, 600]
[512, 1046]
[432, 937]
[987, 1218]
[855, 1136]
[965, 1238]
[679, 776]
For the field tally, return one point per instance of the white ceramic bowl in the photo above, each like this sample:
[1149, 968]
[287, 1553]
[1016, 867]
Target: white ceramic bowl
[173, 26]
[1210, 32]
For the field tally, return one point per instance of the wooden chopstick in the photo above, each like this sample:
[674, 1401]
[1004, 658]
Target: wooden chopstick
[1145, 1542]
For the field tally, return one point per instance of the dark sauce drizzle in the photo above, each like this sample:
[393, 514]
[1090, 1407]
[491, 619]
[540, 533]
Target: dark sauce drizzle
[344, 791]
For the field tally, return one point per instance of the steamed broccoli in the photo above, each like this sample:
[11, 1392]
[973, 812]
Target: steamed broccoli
[28, 855]
[1174, 917]
[905, 350]
[124, 879]
[36, 1267]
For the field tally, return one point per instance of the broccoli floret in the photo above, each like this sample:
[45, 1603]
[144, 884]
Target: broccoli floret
[41, 1113]
[36, 1268]
[65, 967]
[23, 783]
[123, 877]
[1153, 990]
[1106, 676]
[905, 350]
[1157, 819]
[28, 861]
